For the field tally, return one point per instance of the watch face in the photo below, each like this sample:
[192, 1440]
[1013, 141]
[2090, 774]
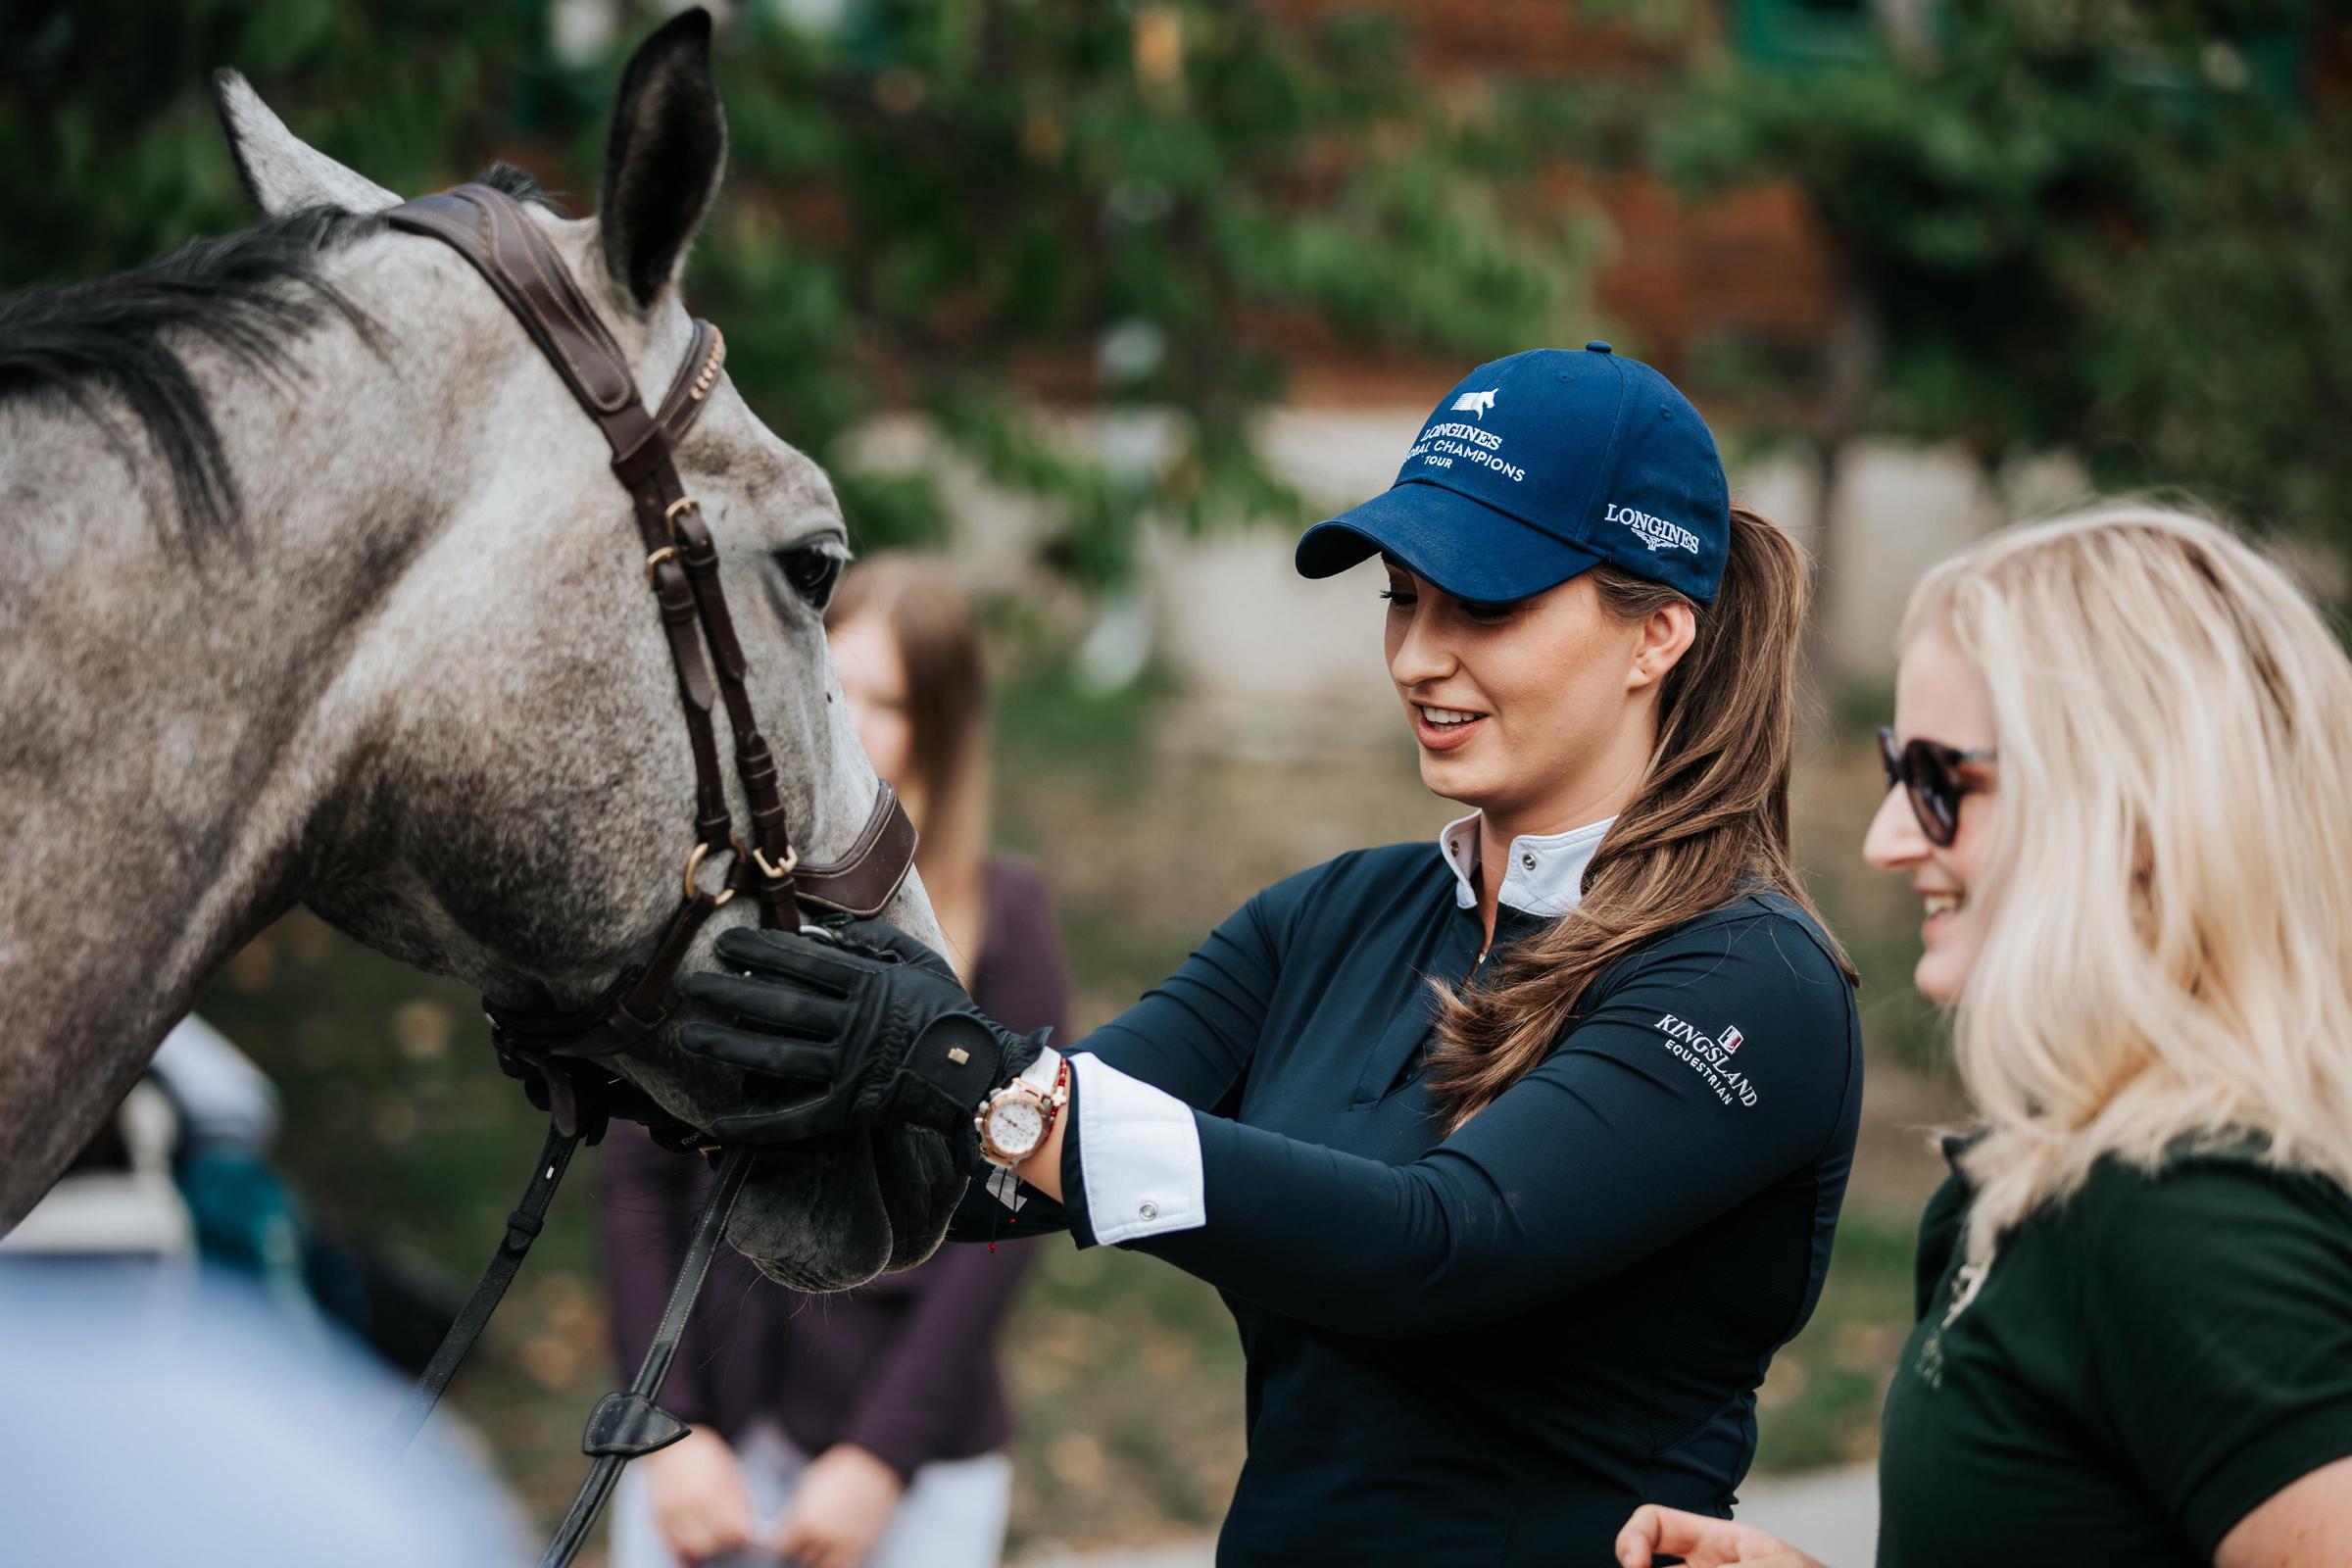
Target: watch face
[1016, 1125]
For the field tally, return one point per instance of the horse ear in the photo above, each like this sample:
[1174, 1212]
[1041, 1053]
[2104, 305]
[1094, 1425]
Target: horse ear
[663, 161]
[280, 172]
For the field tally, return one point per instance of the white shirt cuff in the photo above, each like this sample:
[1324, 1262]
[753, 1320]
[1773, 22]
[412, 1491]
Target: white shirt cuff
[1139, 1152]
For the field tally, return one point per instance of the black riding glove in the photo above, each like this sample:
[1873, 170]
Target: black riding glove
[867, 1025]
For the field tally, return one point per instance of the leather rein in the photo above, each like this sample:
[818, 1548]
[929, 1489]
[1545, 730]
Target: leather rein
[563, 1056]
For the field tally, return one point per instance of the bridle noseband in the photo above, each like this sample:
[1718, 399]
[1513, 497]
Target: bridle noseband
[561, 1053]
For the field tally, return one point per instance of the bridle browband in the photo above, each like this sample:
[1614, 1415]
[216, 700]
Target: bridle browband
[561, 1053]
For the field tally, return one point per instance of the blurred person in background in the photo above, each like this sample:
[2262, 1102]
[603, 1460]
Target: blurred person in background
[1515, 1155]
[182, 1178]
[162, 1345]
[2117, 780]
[179, 1174]
[117, 1206]
[864, 1428]
[167, 1416]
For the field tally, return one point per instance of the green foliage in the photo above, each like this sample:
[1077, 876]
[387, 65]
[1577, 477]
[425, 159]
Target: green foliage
[2117, 226]
[1820, 1403]
[931, 206]
[1107, 197]
[110, 152]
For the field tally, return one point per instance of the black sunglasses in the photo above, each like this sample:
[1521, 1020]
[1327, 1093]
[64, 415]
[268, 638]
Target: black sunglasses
[1929, 775]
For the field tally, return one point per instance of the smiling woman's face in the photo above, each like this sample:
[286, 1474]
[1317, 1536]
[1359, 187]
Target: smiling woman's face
[1539, 714]
[1940, 695]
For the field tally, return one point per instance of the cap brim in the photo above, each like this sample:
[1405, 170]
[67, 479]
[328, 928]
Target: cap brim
[1464, 547]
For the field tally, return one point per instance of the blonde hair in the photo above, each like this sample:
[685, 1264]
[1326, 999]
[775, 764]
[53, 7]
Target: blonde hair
[2167, 894]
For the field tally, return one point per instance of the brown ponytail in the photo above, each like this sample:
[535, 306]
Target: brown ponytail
[1711, 820]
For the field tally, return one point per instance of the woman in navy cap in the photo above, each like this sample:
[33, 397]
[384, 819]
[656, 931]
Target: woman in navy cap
[1515, 1157]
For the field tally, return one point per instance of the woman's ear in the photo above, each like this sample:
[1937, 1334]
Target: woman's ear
[1665, 636]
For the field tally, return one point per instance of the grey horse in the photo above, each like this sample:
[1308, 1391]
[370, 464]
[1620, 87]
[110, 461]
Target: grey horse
[315, 587]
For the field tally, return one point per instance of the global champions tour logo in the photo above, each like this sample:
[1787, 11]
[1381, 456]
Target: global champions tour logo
[1710, 1058]
[1655, 532]
[1449, 441]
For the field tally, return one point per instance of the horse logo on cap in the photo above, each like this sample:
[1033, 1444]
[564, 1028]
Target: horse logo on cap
[1477, 403]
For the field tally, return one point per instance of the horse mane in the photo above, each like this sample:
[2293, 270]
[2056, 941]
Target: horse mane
[250, 295]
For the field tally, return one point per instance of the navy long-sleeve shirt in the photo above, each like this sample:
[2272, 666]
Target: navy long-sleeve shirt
[1490, 1347]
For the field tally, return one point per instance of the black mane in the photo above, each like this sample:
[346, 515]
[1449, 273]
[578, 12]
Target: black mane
[518, 184]
[250, 295]
[246, 294]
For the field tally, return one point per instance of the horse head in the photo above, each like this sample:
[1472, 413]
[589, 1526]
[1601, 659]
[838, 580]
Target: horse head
[512, 792]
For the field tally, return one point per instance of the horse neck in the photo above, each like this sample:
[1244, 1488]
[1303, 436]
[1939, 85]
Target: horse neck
[171, 720]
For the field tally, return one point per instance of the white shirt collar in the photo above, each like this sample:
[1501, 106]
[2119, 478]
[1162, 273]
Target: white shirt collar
[1546, 873]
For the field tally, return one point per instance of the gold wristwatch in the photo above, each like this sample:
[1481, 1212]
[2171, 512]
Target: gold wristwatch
[1013, 1122]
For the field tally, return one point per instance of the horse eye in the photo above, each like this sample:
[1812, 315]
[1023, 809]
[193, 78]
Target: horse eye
[812, 571]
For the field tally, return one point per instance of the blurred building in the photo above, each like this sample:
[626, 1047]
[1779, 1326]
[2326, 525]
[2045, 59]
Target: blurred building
[1272, 664]
[1739, 289]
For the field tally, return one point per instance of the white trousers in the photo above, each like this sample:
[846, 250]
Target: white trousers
[952, 1515]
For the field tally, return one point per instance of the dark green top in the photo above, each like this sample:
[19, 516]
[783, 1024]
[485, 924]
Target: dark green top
[2138, 1372]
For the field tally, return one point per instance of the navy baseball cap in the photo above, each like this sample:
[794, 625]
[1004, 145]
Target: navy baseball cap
[1537, 466]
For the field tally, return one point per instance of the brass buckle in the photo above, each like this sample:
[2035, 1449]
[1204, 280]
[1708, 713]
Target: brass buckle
[665, 553]
[694, 864]
[669, 514]
[778, 873]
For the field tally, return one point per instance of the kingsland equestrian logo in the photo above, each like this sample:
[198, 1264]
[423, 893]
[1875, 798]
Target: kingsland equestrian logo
[1655, 532]
[1477, 403]
[1709, 1058]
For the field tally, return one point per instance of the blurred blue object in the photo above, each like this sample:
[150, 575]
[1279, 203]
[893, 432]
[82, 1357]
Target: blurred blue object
[246, 1220]
[220, 1096]
[160, 1414]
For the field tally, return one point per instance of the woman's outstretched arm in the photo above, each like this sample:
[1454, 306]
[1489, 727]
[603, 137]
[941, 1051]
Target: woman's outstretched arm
[1190, 1039]
[1640, 1127]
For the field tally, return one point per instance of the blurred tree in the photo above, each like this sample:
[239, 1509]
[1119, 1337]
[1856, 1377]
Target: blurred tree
[932, 204]
[2117, 227]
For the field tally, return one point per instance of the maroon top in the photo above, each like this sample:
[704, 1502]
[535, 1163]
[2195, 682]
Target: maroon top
[905, 1367]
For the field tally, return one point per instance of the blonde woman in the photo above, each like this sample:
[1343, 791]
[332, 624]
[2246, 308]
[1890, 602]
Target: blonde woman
[2117, 779]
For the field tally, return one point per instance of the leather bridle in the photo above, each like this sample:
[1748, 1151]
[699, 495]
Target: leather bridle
[562, 1053]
